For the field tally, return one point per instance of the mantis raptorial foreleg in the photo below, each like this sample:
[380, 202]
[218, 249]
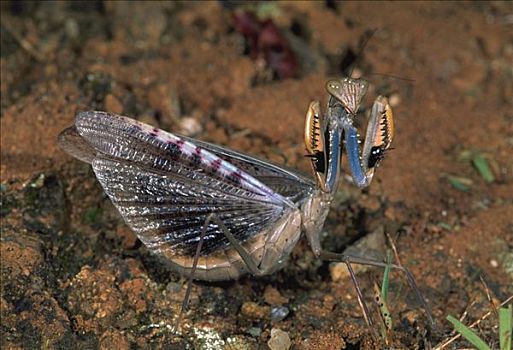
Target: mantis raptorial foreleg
[379, 135]
[325, 134]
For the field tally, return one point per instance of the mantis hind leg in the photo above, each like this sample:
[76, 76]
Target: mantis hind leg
[348, 260]
[244, 254]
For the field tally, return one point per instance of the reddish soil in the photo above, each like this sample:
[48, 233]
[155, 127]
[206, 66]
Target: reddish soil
[72, 272]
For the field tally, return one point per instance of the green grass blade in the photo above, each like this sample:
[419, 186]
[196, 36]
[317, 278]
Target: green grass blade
[444, 225]
[460, 183]
[469, 334]
[386, 273]
[505, 327]
[481, 164]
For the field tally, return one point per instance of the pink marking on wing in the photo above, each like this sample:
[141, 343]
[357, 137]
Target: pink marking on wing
[179, 143]
[236, 177]
[238, 174]
[216, 164]
[207, 159]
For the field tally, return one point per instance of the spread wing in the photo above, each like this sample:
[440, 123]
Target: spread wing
[286, 182]
[165, 186]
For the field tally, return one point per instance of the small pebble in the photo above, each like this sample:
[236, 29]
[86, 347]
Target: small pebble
[173, 287]
[280, 340]
[190, 126]
[255, 331]
[494, 263]
[394, 100]
[279, 313]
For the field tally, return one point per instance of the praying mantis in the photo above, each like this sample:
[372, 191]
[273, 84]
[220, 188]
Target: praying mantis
[217, 214]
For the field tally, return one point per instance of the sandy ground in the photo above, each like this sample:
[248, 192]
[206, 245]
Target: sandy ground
[74, 275]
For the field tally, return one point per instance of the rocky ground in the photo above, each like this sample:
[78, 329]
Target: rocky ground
[74, 275]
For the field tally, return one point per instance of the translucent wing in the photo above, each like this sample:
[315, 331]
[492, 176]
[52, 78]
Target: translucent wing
[71, 141]
[165, 186]
[286, 182]
[168, 213]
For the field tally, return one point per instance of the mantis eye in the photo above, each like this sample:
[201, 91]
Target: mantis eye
[333, 85]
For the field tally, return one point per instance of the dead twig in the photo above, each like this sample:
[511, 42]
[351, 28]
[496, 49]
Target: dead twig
[489, 296]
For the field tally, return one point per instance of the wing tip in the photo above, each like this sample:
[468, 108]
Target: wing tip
[71, 142]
